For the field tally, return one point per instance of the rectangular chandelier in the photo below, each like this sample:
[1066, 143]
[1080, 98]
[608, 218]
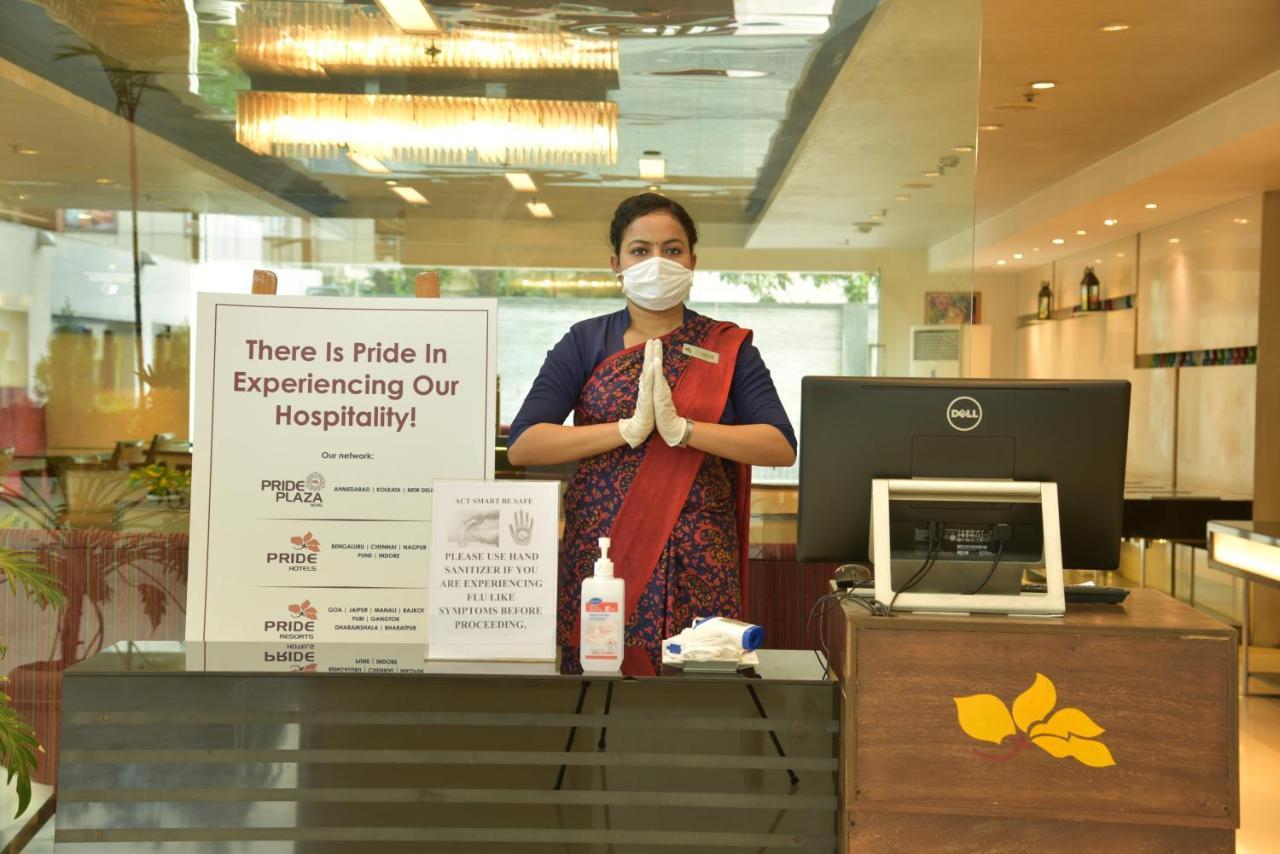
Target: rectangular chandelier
[428, 128]
[313, 39]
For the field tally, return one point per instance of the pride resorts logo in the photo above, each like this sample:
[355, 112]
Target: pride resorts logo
[300, 624]
[307, 491]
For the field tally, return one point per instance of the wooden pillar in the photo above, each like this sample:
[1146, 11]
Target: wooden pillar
[1266, 447]
[264, 282]
[427, 285]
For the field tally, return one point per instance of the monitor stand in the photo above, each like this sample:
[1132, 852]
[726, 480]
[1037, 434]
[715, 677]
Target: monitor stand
[1051, 603]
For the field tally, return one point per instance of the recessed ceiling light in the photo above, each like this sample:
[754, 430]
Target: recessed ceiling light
[102, 180]
[932, 173]
[22, 197]
[1081, 232]
[1114, 27]
[1002, 262]
[25, 150]
[410, 195]
[367, 163]
[1240, 221]
[1058, 241]
[390, 182]
[652, 166]
[902, 198]
[1035, 248]
[963, 149]
[1097, 260]
[1043, 84]
[1110, 221]
[1151, 206]
[1017, 256]
[1175, 239]
[990, 127]
[521, 181]
[412, 16]
[744, 73]
[877, 216]
[540, 210]
[1119, 254]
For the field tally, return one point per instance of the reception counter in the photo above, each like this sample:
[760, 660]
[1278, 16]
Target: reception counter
[1111, 729]
[163, 751]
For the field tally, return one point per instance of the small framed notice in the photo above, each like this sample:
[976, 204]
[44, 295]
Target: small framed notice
[492, 593]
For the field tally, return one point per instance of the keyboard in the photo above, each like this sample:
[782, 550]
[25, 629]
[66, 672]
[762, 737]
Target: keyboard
[1079, 594]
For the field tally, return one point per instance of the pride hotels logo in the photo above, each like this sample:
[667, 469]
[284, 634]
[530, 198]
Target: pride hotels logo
[1066, 732]
[303, 557]
[306, 491]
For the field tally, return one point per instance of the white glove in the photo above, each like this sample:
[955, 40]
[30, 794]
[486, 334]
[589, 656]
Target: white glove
[637, 428]
[670, 425]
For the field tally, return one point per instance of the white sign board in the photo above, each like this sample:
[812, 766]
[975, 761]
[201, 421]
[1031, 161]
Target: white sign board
[493, 570]
[321, 424]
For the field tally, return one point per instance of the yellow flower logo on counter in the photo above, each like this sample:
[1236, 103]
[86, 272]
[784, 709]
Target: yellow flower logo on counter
[1068, 732]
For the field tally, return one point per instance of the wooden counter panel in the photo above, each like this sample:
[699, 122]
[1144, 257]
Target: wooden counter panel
[954, 834]
[1162, 701]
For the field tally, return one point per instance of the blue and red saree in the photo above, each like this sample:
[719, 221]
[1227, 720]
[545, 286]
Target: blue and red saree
[677, 516]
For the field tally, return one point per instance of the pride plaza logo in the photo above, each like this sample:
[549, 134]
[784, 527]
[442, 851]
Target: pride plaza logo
[307, 491]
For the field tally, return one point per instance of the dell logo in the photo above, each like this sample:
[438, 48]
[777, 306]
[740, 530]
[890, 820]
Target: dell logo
[964, 413]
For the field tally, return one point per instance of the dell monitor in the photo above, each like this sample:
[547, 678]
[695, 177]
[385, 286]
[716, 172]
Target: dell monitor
[856, 429]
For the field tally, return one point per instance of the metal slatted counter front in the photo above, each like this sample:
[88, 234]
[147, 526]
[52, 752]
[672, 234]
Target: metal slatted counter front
[163, 752]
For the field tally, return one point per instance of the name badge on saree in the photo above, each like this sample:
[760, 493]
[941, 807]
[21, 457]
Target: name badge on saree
[698, 353]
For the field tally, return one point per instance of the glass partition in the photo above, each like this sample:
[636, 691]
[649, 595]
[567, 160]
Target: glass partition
[826, 149]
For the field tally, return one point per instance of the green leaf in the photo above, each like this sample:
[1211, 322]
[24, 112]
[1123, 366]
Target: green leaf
[26, 575]
[18, 752]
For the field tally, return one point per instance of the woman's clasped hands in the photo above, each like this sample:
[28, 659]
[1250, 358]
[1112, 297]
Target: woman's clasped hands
[654, 405]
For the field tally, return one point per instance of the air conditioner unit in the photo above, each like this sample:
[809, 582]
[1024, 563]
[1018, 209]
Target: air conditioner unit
[951, 351]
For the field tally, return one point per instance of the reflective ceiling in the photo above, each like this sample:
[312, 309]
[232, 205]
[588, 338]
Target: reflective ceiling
[306, 103]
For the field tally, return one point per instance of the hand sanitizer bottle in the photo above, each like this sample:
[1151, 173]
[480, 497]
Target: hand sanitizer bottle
[602, 621]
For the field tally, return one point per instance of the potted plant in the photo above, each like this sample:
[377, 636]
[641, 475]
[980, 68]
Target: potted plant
[20, 750]
[163, 484]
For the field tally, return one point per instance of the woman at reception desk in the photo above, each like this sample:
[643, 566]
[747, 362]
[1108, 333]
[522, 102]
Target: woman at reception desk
[670, 409]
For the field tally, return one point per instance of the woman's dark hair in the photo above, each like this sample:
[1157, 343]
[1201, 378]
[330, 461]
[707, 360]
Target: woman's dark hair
[635, 207]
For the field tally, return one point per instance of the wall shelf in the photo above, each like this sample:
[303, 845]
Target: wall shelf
[1218, 356]
[1120, 303]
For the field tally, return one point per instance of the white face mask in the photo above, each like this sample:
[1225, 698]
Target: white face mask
[657, 283]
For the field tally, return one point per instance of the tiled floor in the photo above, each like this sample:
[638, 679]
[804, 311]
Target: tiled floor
[1259, 776]
[1259, 781]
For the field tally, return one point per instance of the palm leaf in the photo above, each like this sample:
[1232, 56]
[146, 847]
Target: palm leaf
[26, 575]
[18, 749]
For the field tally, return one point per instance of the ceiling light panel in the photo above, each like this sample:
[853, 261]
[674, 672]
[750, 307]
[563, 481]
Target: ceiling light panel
[521, 181]
[652, 168]
[411, 16]
[783, 17]
[367, 163]
[410, 195]
[540, 210]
